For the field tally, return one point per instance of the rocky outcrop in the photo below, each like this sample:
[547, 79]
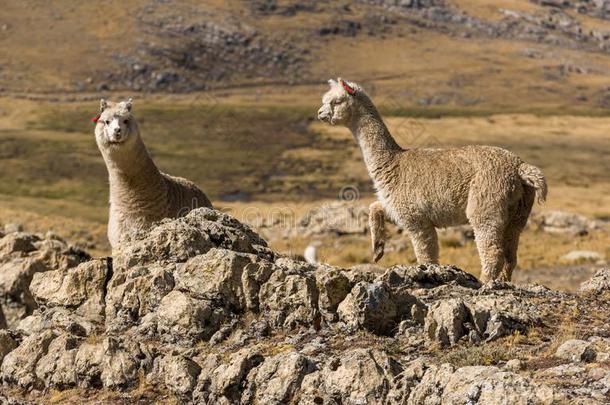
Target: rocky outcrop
[201, 308]
[22, 255]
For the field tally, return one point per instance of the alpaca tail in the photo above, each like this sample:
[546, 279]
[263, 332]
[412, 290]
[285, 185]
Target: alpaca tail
[533, 177]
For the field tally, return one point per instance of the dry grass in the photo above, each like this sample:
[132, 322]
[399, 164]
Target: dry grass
[53, 177]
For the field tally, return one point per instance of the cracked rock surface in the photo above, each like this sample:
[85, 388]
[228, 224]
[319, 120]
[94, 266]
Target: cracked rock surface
[201, 310]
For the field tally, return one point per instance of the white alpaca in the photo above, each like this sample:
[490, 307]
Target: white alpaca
[139, 193]
[422, 189]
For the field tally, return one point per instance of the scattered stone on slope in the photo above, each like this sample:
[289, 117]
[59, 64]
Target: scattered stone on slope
[561, 222]
[598, 283]
[337, 218]
[576, 350]
[583, 256]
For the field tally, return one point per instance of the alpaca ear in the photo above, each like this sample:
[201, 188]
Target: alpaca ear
[103, 105]
[350, 90]
[129, 104]
[332, 82]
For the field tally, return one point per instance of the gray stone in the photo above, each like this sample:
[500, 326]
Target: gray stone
[576, 350]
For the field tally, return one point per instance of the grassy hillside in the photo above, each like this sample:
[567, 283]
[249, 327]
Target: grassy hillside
[515, 55]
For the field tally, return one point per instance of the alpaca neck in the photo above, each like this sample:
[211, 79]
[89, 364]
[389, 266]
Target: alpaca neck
[134, 178]
[379, 148]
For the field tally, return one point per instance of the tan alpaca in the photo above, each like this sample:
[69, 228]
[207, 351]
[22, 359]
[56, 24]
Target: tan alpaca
[422, 189]
[139, 193]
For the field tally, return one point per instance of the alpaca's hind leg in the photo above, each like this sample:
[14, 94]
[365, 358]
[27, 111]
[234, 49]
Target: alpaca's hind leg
[511, 244]
[425, 243]
[513, 232]
[377, 228]
[490, 244]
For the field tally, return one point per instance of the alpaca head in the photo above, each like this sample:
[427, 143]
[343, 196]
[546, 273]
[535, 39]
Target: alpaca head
[338, 104]
[115, 125]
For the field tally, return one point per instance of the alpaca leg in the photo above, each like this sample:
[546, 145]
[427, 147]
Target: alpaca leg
[490, 244]
[425, 243]
[377, 227]
[511, 244]
[513, 232]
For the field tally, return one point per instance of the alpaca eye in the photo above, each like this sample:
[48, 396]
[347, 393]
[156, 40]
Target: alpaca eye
[125, 121]
[107, 122]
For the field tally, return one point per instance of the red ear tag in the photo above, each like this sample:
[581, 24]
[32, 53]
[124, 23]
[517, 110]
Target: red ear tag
[95, 119]
[349, 90]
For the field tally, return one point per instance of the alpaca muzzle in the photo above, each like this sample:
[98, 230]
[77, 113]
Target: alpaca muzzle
[324, 114]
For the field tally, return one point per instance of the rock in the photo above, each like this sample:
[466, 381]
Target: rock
[477, 384]
[182, 318]
[343, 377]
[337, 218]
[598, 283]
[179, 374]
[134, 294]
[563, 222]
[277, 379]
[333, 286]
[233, 278]
[82, 287]
[59, 318]
[514, 365]
[56, 367]
[289, 300]
[576, 350]
[373, 306]
[582, 256]
[7, 344]
[3, 324]
[429, 276]
[176, 241]
[18, 366]
[13, 227]
[481, 318]
[21, 256]
[226, 380]
[445, 321]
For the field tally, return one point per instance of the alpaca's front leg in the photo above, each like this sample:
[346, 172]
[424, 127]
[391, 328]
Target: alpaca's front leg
[425, 242]
[377, 227]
